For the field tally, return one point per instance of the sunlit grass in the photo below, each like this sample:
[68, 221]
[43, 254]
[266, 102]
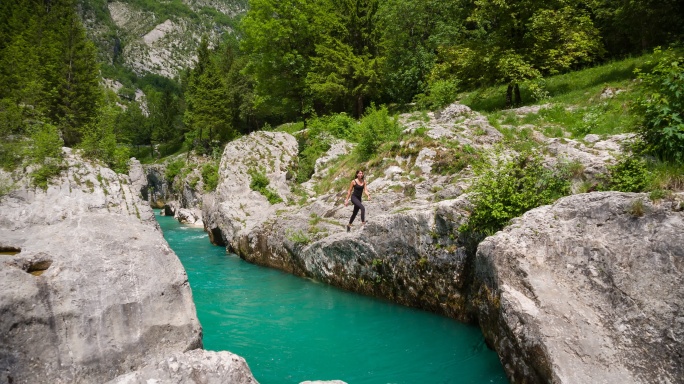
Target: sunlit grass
[579, 88]
[575, 105]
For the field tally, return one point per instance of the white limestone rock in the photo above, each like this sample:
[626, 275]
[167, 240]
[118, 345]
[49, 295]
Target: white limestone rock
[235, 209]
[95, 289]
[587, 290]
[197, 366]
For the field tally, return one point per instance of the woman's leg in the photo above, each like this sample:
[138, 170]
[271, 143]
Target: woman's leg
[358, 207]
[353, 216]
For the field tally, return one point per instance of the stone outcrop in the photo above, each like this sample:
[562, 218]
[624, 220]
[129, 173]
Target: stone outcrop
[197, 366]
[89, 289]
[157, 191]
[235, 209]
[588, 290]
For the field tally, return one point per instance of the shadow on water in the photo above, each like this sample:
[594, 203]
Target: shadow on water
[291, 329]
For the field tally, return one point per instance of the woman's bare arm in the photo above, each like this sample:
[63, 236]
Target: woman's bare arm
[351, 186]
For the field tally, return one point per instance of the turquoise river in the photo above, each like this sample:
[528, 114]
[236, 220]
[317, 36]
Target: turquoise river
[291, 329]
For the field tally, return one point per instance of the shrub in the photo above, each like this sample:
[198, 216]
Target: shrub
[210, 176]
[510, 189]
[629, 174]
[312, 145]
[46, 153]
[440, 94]
[99, 142]
[173, 169]
[454, 159]
[663, 107]
[260, 183]
[377, 128]
[339, 125]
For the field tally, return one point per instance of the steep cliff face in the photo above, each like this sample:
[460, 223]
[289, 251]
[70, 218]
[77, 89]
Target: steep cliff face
[149, 37]
[89, 289]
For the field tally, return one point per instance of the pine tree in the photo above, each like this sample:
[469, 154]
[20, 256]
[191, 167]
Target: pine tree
[73, 72]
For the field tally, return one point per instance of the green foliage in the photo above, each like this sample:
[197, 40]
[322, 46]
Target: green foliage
[173, 169]
[339, 125]
[637, 208]
[515, 41]
[455, 158]
[346, 69]
[260, 183]
[45, 144]
[663, 106]
[510, 189]
[631, 27]
[279, 43]
[45, 152]
[410, 44]
[210, 176]
[440, 94]
[376, 129]
[47, 66]
[100, 142]
[315, 141]
[629, 174]
[298, 236]
[311, 148]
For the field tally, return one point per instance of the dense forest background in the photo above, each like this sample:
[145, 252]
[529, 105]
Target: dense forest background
[294, 60]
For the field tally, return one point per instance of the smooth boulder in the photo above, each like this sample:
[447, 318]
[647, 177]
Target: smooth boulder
[587, 290]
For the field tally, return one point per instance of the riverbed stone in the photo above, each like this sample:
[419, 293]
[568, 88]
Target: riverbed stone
[94, 290]
[587, 290]
[197, 366]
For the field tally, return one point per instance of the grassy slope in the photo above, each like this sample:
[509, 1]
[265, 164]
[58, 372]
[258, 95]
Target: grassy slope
[580, 109]
[575, 108]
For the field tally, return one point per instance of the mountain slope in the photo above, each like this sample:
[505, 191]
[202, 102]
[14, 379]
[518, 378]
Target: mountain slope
[148, 36]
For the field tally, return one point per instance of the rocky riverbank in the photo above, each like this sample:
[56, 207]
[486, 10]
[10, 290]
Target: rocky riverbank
[546, 323]
[89, 288]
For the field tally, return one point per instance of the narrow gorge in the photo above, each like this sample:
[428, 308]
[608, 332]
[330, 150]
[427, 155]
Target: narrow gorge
[588, 289]
[568, 293]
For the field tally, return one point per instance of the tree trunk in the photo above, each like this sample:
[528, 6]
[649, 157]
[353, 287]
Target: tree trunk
[509, 96]
[518, 100]
[359, 106]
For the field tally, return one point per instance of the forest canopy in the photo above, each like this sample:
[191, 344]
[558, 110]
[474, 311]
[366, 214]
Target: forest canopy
[294, 60]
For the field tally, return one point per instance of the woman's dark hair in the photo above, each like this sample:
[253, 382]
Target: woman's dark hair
[357, 174]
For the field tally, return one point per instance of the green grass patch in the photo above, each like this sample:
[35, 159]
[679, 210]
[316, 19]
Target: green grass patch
[210, 177]
[260, 184]
[574, 88]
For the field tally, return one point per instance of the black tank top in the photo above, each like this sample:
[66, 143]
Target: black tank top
[358, 189]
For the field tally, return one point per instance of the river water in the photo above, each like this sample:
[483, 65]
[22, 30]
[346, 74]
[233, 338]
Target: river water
[291, 329]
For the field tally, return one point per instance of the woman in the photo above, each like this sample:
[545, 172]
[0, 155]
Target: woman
[356, 190]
